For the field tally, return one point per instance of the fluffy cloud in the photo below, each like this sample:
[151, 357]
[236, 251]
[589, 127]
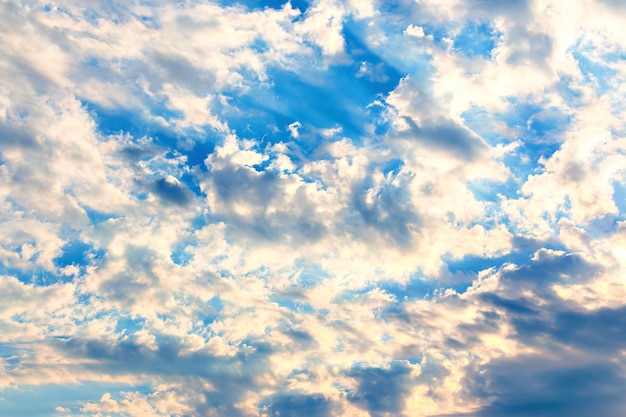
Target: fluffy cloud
[312, 208]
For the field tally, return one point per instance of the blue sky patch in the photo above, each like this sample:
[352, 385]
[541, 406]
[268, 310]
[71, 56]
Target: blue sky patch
[476, 40]
[18, 401]
[595, 72]
[79, 254]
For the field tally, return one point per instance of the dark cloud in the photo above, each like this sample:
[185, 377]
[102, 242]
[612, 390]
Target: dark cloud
[241, 184]
[231, 378]
[297, 405]
[519, 305]
[548, 386]
[602, 330]
[595, 332]
[546, 268]
[525, 244]
[496, 7]
[172, 192]
[576, 372]
[486, 322]
[16, 137]
[301, 338]
[381, 390]
[135, 153]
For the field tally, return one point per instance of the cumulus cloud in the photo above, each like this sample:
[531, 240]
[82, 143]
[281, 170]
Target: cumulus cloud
[312, 208]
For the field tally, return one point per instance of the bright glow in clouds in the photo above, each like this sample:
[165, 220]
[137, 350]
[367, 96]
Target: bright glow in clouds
[313, 208]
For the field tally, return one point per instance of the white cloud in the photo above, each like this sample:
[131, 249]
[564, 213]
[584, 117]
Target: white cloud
[577, 179]
[416, 31]
[322, 26]
[294, 129]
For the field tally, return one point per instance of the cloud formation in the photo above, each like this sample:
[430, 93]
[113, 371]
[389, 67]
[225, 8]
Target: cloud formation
[324, 208]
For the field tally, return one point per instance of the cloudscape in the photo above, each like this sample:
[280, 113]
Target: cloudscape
[313, 208]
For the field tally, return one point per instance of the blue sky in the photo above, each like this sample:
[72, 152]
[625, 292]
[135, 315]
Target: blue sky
[320, 208]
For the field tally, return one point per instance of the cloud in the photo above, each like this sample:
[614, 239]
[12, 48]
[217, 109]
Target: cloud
[416, 31]
[297, 404]
[387, 207]
[380, 390]
[293, 129]
[170, 190]
[533, 385]
[330, 208]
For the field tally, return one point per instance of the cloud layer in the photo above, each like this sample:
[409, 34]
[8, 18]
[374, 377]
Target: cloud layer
[321, 208]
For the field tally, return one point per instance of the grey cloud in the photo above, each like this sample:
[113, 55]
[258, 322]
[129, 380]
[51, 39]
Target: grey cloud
[572, 386]
[391, 213]
[617, 5]
[234, 184]
[230, 377]
[549, 267]
[239, 184]
[171, 192]
[597, 332]
[602, 330]
[381, 390]
[526, 244]
[486, 322]
[126, 288]
[301, 338]
[519, 305]
[134, 153]
[447, 135]
[574, 172]
[159, 69]
[389, 217]
[37, 79]
[131, 285]
[427, 122]
[529, 48]
[540, 317]
[576, 372]
[491, 7]
[19, 137]
[297, 405]
[310, 229]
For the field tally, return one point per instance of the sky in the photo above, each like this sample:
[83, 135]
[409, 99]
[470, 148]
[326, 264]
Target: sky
[359, 208]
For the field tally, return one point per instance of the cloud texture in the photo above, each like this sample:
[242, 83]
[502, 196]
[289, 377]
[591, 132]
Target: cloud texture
[320, 208]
